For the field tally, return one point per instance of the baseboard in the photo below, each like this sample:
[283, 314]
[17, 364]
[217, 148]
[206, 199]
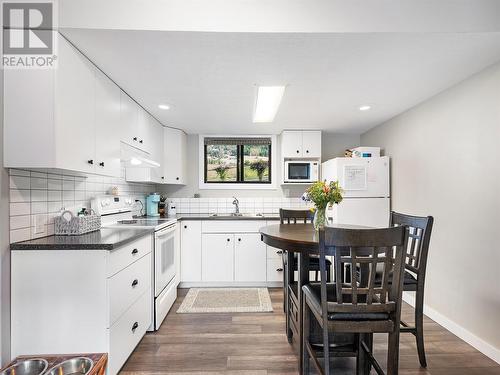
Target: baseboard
[487, 349]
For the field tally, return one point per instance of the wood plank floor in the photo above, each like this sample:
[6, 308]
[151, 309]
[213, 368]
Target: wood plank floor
[255, 344]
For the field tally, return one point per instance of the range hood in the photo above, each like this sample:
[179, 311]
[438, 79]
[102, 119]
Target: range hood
[134, 158]
[139, 167]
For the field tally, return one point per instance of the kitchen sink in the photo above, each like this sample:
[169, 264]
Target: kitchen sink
[237, 215]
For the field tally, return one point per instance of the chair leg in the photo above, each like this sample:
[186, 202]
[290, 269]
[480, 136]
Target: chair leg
[305, 338]
[393, 353]
[328, 275]
[363, 365]
[316, 275]
[419, 326]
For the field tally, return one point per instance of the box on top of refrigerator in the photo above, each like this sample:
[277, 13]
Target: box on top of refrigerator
[366, 152]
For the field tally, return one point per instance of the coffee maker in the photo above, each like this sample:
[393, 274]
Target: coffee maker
[152, 201]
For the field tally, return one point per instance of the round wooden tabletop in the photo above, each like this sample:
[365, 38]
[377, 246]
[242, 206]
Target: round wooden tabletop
[296, 237]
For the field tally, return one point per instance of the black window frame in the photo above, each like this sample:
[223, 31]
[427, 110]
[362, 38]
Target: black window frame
[239, 166]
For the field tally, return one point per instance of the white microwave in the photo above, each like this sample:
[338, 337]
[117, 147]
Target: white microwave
[301, 171]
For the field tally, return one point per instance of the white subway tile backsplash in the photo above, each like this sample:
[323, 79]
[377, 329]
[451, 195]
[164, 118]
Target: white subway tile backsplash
[17, 222]
[43, 195]
[19, 196]
[20, 209]
[19, 182]
[38, 183]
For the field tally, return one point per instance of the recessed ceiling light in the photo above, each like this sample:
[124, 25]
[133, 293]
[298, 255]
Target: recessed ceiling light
[163, 106]
[267, 102]
[364, 108]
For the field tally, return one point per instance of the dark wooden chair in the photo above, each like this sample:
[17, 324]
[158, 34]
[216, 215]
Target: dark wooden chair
[363, 309]
[419, 229]
[290, 262]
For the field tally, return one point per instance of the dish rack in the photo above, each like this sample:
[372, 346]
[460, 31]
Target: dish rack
[70, 225]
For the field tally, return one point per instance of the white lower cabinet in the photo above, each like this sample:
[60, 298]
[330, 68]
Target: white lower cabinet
[249, 257]
[81, 301]
[217, 257]
[227, 252]
[191, 251]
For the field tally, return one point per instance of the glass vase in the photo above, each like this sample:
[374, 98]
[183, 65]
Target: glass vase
[319, 220]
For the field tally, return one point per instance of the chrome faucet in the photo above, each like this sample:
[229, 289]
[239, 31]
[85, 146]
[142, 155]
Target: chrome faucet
[236, 203]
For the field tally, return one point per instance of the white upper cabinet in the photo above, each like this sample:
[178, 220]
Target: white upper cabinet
[108, 126]
[311, 144]
[155, 132]
[174, 161]
[129, 119]
[291, 144]
[74, 110]
[301, 144]
[144, 130]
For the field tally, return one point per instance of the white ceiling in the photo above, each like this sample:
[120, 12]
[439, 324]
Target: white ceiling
[208, 78]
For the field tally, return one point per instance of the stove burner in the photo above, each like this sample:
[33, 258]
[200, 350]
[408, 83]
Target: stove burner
[127, 222]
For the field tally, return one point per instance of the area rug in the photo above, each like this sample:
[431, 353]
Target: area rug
[226, 300]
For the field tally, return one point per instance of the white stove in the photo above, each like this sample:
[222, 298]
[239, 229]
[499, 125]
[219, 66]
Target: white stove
[116, 212]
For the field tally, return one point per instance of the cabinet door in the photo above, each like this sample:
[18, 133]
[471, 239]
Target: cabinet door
[156, 150]
[191, 251]
[75, 110]
[291, 144]
[249, 257]
[174, 156]
[128, 119]
[311, 144]
[108, 126]
[144, 130]
[217, 257]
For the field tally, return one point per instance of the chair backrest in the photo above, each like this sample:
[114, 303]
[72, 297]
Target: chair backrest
[295, 216]
[419, 236]
[364, 249]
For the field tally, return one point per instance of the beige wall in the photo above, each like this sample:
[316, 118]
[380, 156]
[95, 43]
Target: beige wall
[332, 145]
[445, 156]
[4, 249]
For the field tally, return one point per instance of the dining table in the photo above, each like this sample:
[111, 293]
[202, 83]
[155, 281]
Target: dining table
[303, 240]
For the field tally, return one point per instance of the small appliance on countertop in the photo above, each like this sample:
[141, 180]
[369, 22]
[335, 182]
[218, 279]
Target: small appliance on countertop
[152, 201]
[116, 212]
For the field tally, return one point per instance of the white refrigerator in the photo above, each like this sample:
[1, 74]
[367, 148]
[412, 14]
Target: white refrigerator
[366, 186]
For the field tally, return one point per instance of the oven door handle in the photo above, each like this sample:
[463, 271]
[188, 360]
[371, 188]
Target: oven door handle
[165, 232]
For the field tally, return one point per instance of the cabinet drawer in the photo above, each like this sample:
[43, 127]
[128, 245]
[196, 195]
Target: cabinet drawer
[232, 226]
[128, 254]
[275, 270]
[274, 253]
[125, 287]
[126, 333]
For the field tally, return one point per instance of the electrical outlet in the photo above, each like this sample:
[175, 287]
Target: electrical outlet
[39, 224]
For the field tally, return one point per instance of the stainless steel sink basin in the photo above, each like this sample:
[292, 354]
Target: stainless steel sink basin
[235, 215]
[35, 366]
[78, 365]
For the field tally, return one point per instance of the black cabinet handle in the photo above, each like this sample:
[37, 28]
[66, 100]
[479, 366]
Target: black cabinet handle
[279, 252]
[239, 239]
[101, 164]
[140, 141]
[185, 226]
[135, 251]
[135, 139]
[279, 269]
[135, 326]
[297, 151]
[307, 151]
[135, 282]
[91, 161]
[228, 240]
[177, 178]
[162, 177]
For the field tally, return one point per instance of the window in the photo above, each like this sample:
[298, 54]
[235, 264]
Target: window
[237, 160]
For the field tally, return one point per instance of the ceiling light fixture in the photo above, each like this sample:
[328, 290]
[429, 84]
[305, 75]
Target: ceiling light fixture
[364, 108]
[267, 102]
[164, 106]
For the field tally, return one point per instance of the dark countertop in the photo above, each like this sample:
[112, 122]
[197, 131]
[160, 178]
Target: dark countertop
[104, 239]
[226, 217]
